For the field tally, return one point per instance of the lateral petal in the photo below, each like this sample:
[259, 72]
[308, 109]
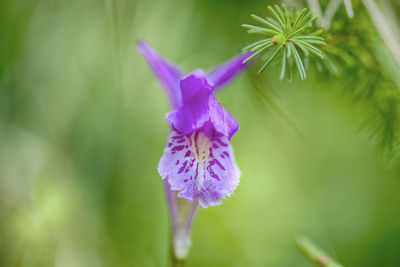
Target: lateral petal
[227, 71]
[167, 73]
[221, 119]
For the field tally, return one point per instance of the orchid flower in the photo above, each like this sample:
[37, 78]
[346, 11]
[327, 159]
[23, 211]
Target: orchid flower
[198, 164]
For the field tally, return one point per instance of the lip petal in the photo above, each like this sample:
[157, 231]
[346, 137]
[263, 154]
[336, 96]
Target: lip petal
[200, 167]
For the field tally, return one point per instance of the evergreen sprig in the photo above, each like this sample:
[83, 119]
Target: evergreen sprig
[290, 36]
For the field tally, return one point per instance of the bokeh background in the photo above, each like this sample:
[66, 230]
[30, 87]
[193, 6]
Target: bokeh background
[82, 129]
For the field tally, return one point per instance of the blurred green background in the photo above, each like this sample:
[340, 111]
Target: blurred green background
[82, 129]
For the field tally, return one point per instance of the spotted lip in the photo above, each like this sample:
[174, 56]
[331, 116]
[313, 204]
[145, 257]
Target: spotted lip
[200, 166]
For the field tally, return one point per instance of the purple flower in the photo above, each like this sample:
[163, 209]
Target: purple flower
[198, 160]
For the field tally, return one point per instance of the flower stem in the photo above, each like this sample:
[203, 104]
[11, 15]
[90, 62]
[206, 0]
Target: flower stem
[173, 260]
[172, 206]
[182, 213]
[192, 214]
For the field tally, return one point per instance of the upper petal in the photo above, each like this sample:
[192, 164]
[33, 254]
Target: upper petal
[193, 85]
[194, 111]
[189, 118]
[168, 74]
[199, 106]
[227, 71]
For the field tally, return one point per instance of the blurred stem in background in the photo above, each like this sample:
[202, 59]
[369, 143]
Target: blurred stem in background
[389, 32]
[324, 20]
[389, 35]
[314, 254]
[366, 50]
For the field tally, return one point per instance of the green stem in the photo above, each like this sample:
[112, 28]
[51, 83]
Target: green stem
[173, 260]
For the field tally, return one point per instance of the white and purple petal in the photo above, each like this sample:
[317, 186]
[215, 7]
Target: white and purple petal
[200, 166]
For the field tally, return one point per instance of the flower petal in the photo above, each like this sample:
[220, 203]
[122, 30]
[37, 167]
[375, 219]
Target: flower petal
[168, 74]
[227, 71]
[194, 84]
[199, 107]
[221, 119]
[194, 112]
[200, 167]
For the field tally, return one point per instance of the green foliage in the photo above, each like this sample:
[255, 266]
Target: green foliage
[355, 56]
[359, 58]
[291, 36]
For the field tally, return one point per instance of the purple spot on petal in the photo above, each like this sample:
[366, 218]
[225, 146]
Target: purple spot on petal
[177, 148]
[182, 168]
[197, 171]
[215, 161]
[212, 173]
[221, 143]
[177, 162]
[188, 154]
[210, 170]
[211, 153]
